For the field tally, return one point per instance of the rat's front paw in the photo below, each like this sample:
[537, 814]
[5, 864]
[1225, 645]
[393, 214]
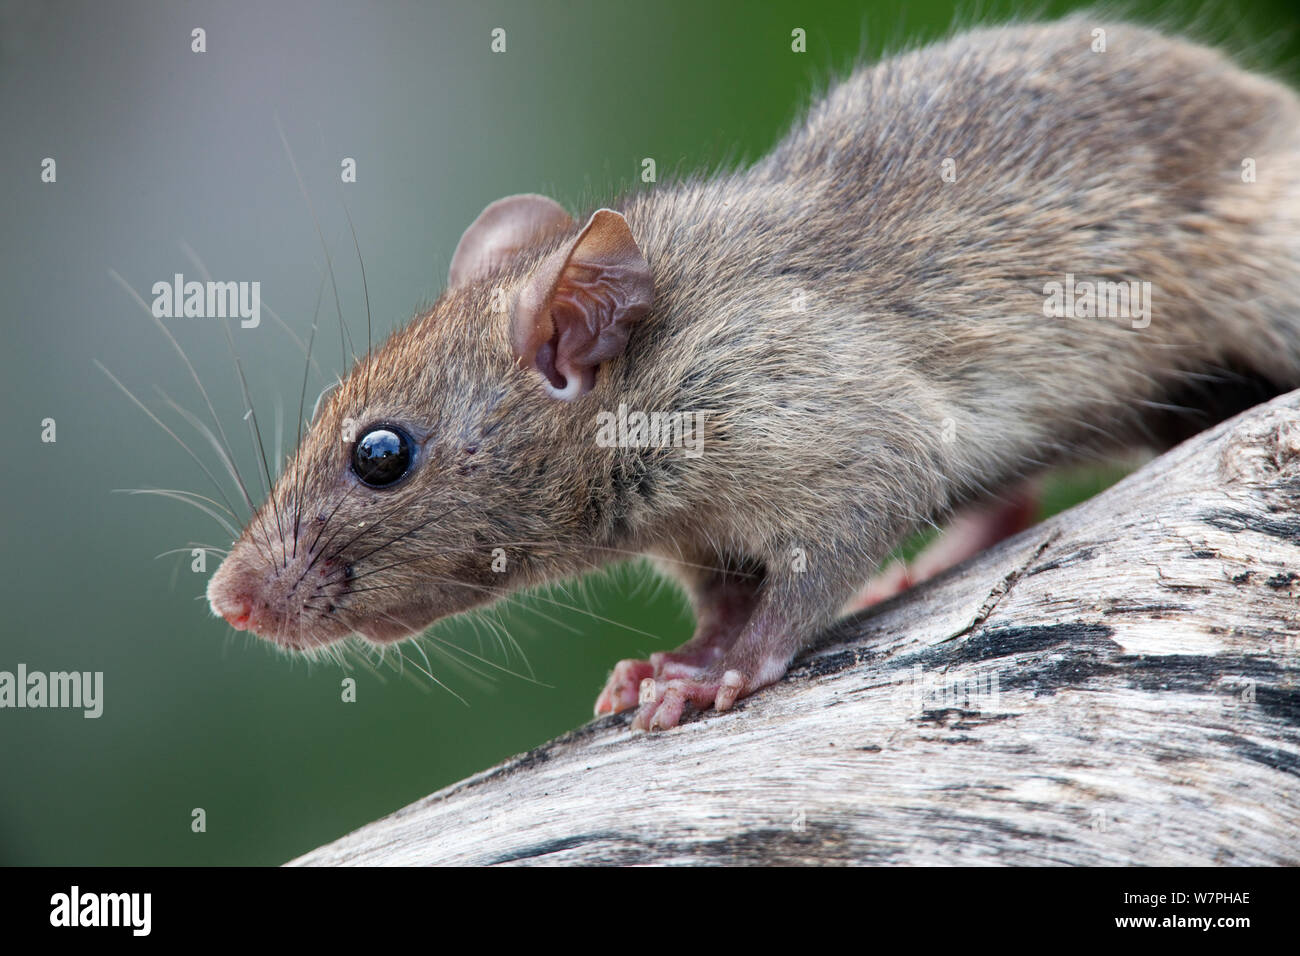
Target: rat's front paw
[665, 701]
[623, 689]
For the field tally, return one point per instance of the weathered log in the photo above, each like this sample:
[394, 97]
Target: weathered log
[1115, 686]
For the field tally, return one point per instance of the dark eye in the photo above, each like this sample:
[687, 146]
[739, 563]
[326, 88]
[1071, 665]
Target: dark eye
[382, 456]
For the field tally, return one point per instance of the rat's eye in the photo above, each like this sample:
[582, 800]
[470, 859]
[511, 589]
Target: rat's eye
[382, 456]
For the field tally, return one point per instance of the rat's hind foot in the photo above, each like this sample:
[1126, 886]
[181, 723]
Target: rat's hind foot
[668, 699]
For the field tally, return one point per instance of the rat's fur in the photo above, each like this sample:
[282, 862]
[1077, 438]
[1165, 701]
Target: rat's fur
[921, 374]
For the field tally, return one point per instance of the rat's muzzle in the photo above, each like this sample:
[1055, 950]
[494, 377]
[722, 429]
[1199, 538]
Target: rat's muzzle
[291, 601]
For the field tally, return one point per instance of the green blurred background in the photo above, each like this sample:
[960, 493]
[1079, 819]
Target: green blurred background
[158, 146]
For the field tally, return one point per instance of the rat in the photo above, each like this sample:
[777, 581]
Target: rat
[864, 329]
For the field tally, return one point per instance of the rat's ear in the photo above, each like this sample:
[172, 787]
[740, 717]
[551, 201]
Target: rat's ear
[578, 307]
[500, 231]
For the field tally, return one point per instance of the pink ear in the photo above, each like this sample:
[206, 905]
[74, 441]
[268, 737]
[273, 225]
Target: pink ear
[500, 231]
[578, 307]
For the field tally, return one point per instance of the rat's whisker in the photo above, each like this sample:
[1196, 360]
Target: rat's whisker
[179, 494]
[449, 646]
[190, 549]
[409, 531]
[428, 665]
[204, 430]
[491, 618]
[201, 502]
[318, 553]
[329, 263]
[279, 437]
[427, 673]
[255, 435]
[288, 330]
[365, 288]
[449, 649]
[320, 396]
[504, 592]
[312, 549]
[525, 604]
[158, 421]
[113, 274]
[302, 400]
[255, 431]
[368, 528]
[373, 587]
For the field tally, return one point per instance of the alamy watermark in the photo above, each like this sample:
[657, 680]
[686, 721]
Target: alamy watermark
[624, 429]
[1099, 300]
[973, 691]
[208, 300]
[71, 689]
[130, 910]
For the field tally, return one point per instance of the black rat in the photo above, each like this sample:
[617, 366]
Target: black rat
[883, 321]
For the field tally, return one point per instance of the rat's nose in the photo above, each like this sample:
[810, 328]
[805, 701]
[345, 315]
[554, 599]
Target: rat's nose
[231, 593]
[268, 600]
[236, 611]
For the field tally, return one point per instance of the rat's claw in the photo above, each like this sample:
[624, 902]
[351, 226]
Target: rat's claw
[622, 690]
[665, 701]
[731, 688]
[668, 712]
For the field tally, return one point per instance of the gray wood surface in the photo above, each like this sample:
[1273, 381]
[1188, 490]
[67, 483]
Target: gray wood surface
[1117, 685]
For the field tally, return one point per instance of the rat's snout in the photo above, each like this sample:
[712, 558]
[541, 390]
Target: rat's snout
[290, 601]
[236, 610]
[241, 594]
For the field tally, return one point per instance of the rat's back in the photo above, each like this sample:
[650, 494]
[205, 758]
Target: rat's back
[1010, 156]
[924, 214]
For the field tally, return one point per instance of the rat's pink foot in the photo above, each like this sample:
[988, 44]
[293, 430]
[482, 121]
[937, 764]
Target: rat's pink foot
[623, 689]
[623, 686]
[667, 700]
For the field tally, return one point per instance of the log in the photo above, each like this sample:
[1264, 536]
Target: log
[1115, 686]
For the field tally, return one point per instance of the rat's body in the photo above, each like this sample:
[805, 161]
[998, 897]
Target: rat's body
[866, 338]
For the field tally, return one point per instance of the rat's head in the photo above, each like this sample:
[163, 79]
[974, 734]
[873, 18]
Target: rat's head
[453, 461]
